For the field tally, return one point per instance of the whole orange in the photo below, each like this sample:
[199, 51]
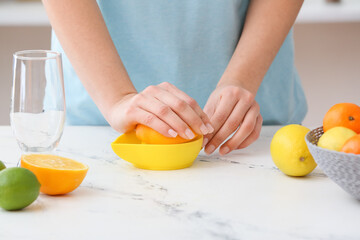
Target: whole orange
[352, 145]
[150, 136]
[344, 115]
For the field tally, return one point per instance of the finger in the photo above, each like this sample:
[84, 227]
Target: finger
[223, 110]
[245, 130]
[254, 135]
[210, 106]
[206, 127]
[163, 112]
[152, 121]
[209, 110]
[233, 122]
[181, 108]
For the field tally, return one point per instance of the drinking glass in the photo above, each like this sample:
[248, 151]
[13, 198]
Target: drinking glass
[37, 113]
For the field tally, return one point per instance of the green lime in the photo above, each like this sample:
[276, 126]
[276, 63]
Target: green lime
[2, 165]
[19, 187]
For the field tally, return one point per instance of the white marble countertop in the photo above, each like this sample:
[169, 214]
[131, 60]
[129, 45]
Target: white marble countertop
[240, 196]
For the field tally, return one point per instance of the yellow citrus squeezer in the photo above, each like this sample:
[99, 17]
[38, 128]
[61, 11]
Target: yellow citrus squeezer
[156, 156]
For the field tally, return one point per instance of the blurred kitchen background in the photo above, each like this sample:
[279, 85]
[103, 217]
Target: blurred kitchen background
[327, 50]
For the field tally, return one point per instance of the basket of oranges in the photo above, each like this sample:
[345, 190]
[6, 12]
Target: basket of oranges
[336, 146]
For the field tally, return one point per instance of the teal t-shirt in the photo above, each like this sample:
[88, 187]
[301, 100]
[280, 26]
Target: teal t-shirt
[189, 44]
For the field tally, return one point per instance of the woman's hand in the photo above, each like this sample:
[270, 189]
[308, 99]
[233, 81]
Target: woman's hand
[231, 108]
[164, 108]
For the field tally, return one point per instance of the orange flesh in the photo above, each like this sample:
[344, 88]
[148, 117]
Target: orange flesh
[57, 175]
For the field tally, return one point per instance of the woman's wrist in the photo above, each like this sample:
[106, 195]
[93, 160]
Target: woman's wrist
[109, 109]
[243, 78]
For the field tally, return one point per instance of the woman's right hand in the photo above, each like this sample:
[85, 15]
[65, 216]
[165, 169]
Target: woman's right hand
[164, 108]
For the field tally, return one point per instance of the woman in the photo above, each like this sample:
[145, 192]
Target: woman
[158, 62]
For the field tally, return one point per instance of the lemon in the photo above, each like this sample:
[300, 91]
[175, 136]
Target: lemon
[290, 152]
[2, 165]
[19, 187]
[335, 138]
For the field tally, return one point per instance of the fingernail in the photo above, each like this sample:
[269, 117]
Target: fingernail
[225, 150]
[210, 149]
[205, 141]
[210, 128]
[204, 129]
[172, 133]
[189, 134]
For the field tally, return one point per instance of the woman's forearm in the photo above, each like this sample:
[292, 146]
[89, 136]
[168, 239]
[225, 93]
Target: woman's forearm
[84, 37]
[266, 27]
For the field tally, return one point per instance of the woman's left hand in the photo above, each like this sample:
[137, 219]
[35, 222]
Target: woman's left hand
[232, 109]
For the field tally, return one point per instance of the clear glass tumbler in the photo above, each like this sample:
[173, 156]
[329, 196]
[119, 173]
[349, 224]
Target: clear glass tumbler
[37, 113]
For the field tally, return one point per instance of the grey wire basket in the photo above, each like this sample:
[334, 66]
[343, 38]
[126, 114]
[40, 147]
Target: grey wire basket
[342, 168]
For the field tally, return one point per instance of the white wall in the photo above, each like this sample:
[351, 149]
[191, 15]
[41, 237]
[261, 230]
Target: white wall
[328, 61]
[14, 39]
[327, 57]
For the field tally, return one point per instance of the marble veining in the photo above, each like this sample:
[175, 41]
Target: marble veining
[238, 196]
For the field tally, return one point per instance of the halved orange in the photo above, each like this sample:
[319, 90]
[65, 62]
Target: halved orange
[150, 136]
[57, 175]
